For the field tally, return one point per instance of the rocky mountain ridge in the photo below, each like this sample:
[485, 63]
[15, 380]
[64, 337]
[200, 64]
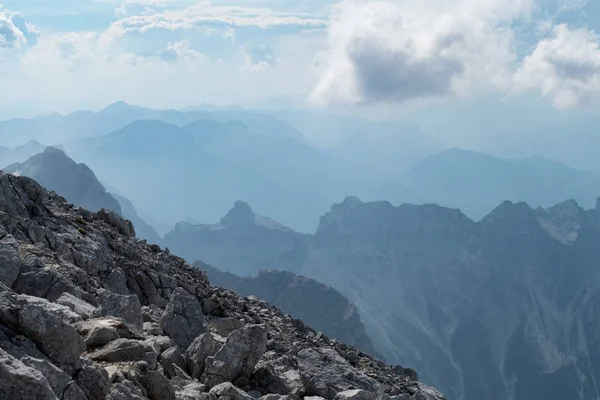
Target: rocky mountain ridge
[501, 308]
[87, 311]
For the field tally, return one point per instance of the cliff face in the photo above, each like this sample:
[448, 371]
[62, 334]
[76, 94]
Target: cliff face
[502, 308]
[318, 305]
[87, 311]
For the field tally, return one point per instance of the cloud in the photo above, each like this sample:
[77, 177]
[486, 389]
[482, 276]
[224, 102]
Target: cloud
[182, 50]
[202, 14]
[259, 58]
[394, 52]
[15, 31]
[564, 67]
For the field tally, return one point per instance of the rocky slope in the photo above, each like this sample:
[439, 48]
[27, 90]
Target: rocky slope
[87, 311]
[504, 308]
[318, 305]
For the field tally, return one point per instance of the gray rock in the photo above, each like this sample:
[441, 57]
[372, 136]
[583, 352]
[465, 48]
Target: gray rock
[126, 390]
[45, 283]
[10, 260]
[227, 389]
[85, 309]
[153, 329]
[157, 386]
[93, 381]
[58, 379]
[280, 397]
[224, 326]
[168, 358]
[98, 332]
[238, 356]
[192, 391]
[183, 319]
[127, 308]
[355, 394]
[313, 398]
[325, 373]
[18, 381]
[205, 345]
[122, 350]
[36, 319]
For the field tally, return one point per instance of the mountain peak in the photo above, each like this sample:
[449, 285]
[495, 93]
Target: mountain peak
[240, 214]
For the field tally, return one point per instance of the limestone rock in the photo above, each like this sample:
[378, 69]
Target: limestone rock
[238, 356]
[17, 381]
[205, 345]
[10, 260]
[80, 307]
[168, 358]
[355, 394]
[98, 332]
[226, 389]
[183, 319]
[127, 308]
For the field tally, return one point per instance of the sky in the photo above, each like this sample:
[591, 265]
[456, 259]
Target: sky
[394, 55]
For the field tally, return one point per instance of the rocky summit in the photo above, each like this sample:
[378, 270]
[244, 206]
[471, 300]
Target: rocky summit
[88, 311]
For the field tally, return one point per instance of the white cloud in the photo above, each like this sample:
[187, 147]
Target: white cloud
[398, 51]
[204, 14]
[259, 58]
[182, 50]
[565, 67]
[15, 31]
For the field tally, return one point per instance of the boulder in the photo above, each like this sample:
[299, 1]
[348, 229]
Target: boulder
[60, 382]
[93, 381]
[37, 319]
[280, 397]
[127, 308]
[226, 389]
[10, 260]
[78, 306]
[325, 373]
[238, 356]
[122, 350]
[18, 381]
[126, 390]
[355, 394]
[98, 332]
[168, 358]
[183, 319]
[205, 345]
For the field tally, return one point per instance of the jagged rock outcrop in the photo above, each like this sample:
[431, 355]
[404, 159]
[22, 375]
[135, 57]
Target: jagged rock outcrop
[106, 355]
[319, 305]
[243, 242]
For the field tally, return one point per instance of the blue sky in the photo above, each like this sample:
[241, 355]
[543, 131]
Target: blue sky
[397, 55]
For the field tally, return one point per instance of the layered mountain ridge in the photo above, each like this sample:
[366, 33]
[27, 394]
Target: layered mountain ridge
[87, 311]
[496, 309]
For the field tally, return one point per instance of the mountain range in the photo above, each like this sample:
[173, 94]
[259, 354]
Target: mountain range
[501, 308]
[476, 182]
[78, 184]
[90, 312]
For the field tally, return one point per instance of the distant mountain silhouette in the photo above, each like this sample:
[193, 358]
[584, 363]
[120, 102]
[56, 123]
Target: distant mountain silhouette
[476, 182]
[75, 182]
